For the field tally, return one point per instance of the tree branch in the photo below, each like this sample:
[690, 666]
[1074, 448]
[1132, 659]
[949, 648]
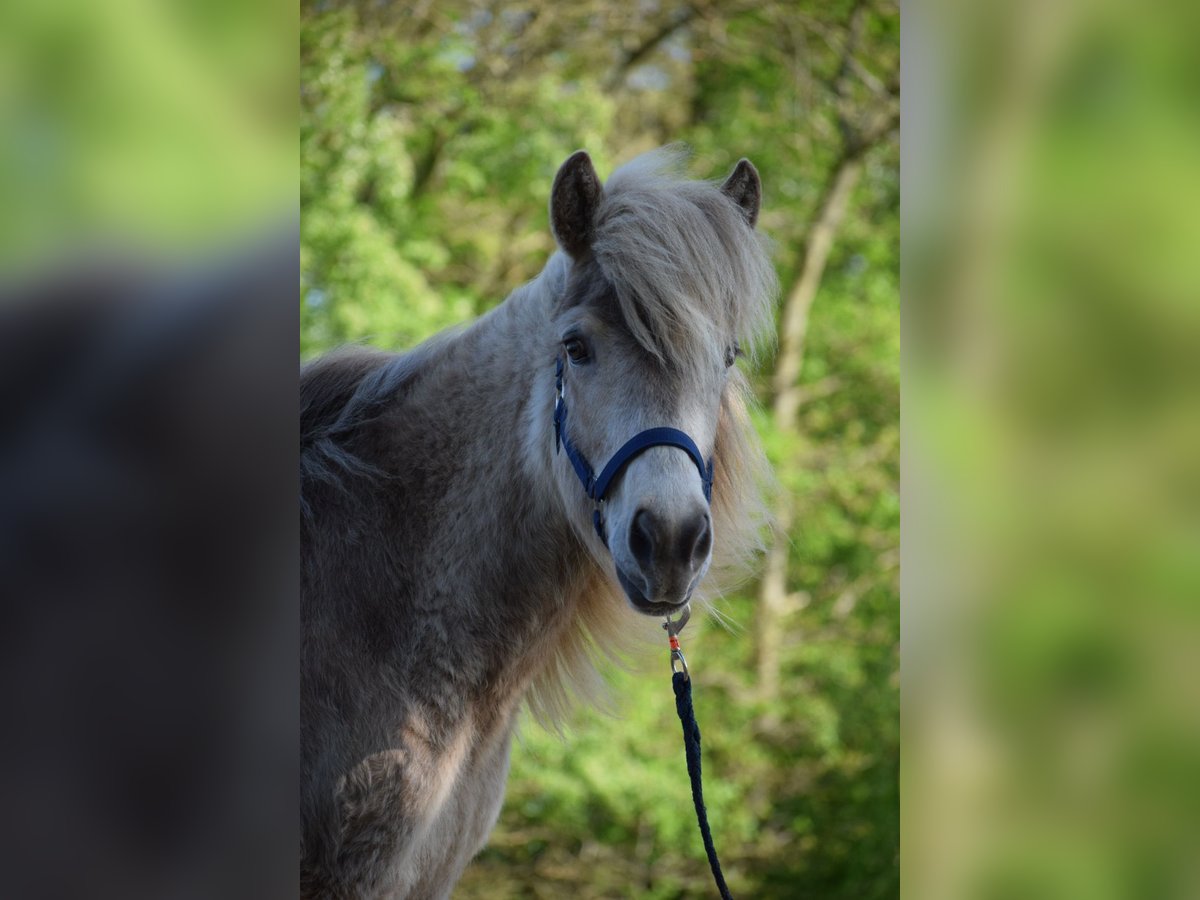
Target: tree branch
[648, 46]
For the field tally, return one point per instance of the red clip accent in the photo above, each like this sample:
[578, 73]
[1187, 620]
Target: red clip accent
[674, 642]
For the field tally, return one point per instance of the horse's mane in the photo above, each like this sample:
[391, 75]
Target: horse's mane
[340, 393]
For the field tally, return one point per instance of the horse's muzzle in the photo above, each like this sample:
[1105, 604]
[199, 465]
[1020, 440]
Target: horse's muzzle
[637, 598]
[670, 556]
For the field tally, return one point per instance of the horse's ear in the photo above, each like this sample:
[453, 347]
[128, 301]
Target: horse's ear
[744, 188]
[573, 202]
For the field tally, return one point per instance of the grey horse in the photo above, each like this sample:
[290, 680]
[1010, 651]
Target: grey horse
[453, 564]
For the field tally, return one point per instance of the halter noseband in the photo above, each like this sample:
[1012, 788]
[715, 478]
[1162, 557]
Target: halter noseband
[597, 486]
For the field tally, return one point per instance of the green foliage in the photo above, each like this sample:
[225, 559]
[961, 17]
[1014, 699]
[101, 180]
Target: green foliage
[142, 125]
[428, 143]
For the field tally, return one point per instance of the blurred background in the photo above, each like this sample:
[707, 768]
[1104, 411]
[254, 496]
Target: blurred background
[138, 129]
[1051, 721]
[148, 545]
[430, 134]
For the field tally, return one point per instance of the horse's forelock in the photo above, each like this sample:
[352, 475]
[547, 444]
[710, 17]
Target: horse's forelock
[687, 272]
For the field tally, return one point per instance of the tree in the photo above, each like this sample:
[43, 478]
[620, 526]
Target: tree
[862, 124]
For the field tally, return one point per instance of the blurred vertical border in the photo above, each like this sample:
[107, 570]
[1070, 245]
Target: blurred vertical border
[1051, 540]
[148, 334]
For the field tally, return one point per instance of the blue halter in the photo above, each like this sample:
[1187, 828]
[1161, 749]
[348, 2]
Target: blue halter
[597, 487]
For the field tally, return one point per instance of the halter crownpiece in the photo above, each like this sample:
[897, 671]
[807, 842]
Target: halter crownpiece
[596, 487]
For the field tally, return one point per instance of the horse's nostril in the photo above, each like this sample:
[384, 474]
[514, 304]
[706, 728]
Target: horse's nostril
[703, 542]
[642, 537]
[655, 545]
[695, 540]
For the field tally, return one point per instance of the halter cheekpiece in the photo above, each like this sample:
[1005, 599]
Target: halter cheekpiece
[596, 487]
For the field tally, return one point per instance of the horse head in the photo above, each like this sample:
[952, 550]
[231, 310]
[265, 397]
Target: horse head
[648, 326]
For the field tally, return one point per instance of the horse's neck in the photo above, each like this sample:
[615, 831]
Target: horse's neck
[503, 402]
[503, 558]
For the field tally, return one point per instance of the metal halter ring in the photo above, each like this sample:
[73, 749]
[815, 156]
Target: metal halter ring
[677, 657]
[672, 629]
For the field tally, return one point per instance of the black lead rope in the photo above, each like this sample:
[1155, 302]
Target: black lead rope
[682, 683]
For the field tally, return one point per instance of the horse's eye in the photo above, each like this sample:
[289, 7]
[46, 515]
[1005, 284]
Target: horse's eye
[732, 352]
[577, 350]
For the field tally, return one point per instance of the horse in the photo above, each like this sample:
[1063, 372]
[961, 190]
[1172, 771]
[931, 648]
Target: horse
[455, 559]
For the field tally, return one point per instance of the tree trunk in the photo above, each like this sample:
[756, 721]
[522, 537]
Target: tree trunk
[794, 326]
[773, 597]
